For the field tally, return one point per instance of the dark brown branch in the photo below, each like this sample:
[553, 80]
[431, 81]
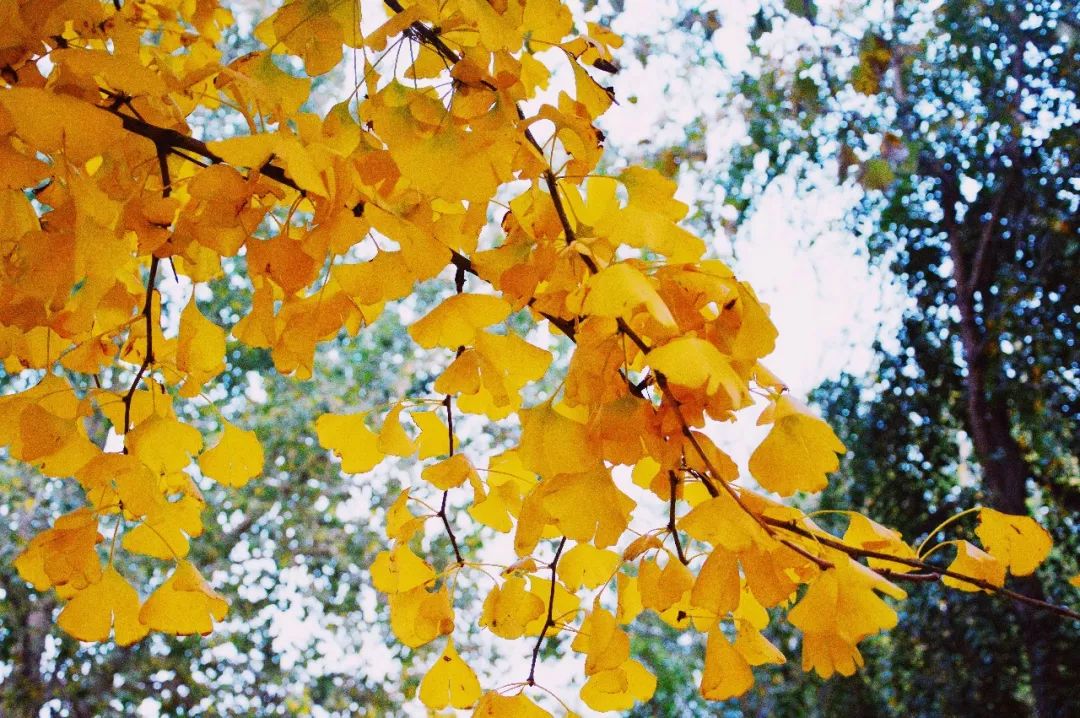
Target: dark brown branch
[448, 402]
[148, 305]
[673, 483]
[427, 35]
[549, 622]
[171, 140]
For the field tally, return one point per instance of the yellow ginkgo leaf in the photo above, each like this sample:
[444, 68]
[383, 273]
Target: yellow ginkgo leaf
[455, 322]
[552, 443]
[798, 452]
[63, 554]
[348, 436]
[509, 608]
[235, 459]
[164, 444]
[867, 534]
[200, 349]
[583, 507]
[727, 673]
[434, 434]
[399, 570]
[401, 523]
[495, 705]
[619, 688]
[1017, 541]
[183, 605]
[607, 646]
[164, 532]
[720, 521]
[393, 441]
[245, 150]
[839, 609]
[449, 473]
[617, 291]
[100, 607]
[974, 562]
[716, 588]
[586, 565]
[450, 682]
[696, 363]
[754, 647]
[418, 617]
[52, 122]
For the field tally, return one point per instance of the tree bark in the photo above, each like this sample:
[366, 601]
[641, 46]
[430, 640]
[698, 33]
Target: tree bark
[1004, 470]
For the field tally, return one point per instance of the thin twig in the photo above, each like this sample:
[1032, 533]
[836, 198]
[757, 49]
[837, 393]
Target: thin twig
[442, 514]
[148, 305]
[673, 482]
[549, 622]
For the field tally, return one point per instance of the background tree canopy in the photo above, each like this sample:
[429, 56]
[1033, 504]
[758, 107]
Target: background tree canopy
[386, 232]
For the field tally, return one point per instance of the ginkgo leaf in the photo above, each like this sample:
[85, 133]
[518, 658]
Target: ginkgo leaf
[727, 673]
[696, 363]
[450, 682]
[754, 647]
[348, 436]
[797, 453]
[619, 688]
[619, 289]
[583, 507]
[245, 150]
[606, 645]
[496, 705]
[456, 321]
[871, 535]
[183, 605]
[449, 473]
[51, 122]
[552, 443]
[165, 531]
[418, 617]
[717, 588]
[164, 444]
[722, 522]
[663, 588]
[586, 565]
[974, 562]
[63, 554]
[629, 599]
[401, 523]
[1017, 541]
[399, 570]
[839, 609]
[509, 608]
[200, 349]
[235, 459]
[111, 602]
[393, 441]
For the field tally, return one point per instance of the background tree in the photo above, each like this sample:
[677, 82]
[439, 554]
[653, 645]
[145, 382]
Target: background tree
[959, 122]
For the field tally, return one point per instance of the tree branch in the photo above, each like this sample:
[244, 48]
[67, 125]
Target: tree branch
[448, 403]
[673, 483]
[926, 568]
[549, 622]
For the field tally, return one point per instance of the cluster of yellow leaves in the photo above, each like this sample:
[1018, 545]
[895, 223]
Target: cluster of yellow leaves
[105, 185]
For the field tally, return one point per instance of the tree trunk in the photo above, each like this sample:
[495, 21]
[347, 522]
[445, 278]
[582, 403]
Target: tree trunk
[1004, 470]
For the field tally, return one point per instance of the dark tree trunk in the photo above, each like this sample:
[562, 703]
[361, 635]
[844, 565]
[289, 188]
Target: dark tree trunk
[1004, 470]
